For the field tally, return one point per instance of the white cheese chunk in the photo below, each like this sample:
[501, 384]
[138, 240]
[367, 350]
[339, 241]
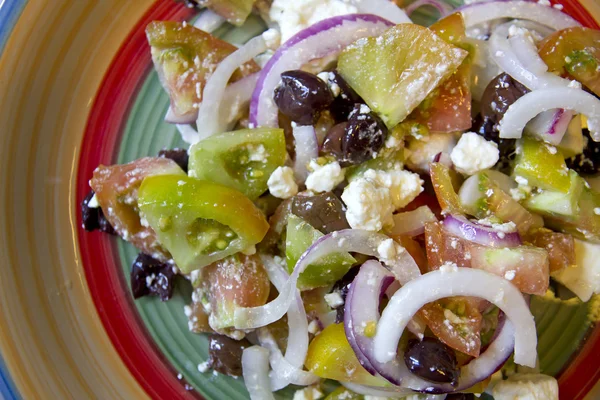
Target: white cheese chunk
[281, 183]
[473, 154]
[527, 387]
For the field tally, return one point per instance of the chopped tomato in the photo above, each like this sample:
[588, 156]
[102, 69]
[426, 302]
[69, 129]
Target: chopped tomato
[456, 321]
[574, 52]
[448, 107]
[424, 199]
[560, 248]
[117, 187]
[443, 247]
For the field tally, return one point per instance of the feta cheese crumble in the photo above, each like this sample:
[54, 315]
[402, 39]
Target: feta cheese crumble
[272, 38]
[369, 205]
[404, 186]
[308, 393]
[526, 387]
[294, 16]
[473, 154]
[387, 249]
[281, 183]
[93, 203]
[421, 152]
[324, 178]
[334, 300]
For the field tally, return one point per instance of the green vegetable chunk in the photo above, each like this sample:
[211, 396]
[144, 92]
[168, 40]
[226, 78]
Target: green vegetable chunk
[300, 235]
[234, 11]
[199, 222]
[395, 72]
[243, 160]
[542, 165]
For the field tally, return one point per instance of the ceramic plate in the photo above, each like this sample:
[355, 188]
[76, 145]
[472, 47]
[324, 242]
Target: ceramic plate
[77, 89]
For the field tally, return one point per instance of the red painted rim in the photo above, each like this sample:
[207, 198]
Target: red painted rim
[109, 288]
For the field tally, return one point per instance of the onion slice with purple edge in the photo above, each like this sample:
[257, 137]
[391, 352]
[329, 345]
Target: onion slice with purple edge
[307, 148]
[383, 8]
[550, 126]
[443, 8]
[447, 282]
[362, 308]
[488, 236]
[412, 223]
[209, 119]
[402, 266]
[324, 38]
[209, 21]
[478, 13]
[255, 369]
[533, 103]
[287, 369]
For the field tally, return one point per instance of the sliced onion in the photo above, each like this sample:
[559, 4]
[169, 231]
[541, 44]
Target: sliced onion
[412, 223]
[361, 309]
[377, 392]
[477, 233]
[255, 368]
[443, 8]
[383, 8]
[484, 68]
[321, 39]
[297, 346]
[527, 54]
[188, 133]
[235, 98]
[471, 192]
[550, 126]
[348, 240]
[478, 13]
[209, 121]
[506, 58]
[443, 283]
[531, 104]
[209, 21]
[443, 158]
[307, 148]
[283, 372]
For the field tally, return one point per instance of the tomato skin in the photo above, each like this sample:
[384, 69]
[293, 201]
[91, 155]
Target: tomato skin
[116, 188]
[448, 107]
[200, 222]
[184, 58]
[574, 52]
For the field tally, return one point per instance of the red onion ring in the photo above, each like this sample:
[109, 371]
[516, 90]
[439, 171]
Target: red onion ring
[443, 8]
[447, 282]
[321, 39]
[477, 13]
[481, 234]
[550, 126]
[533, 103]
[402, 266]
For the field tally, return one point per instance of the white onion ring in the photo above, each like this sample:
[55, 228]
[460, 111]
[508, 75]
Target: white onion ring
[307, 148]
[478, 13]
[255, 369]
[412, 223]
[531, 104]
[321, 39]
[504, 55]
[527, 54]
[402, 266]
[209, 21]
[442, 283]
[463, 228]
[209, 120]
[188, 133]
[384, 9]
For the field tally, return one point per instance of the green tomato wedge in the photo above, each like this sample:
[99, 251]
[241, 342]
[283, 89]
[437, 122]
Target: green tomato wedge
[243, 160]
[199, 222]
[542, 165]
[299, 236]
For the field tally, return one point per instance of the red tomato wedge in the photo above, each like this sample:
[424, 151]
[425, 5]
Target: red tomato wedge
[560, 248]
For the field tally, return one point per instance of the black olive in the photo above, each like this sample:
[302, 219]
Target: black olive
[432, 360]
[93, 218]
[500, 94]
[342, 286]
[588, 162]
[151, 277]
[324, 211]
[460, 396]
[365, 135]
[507, 147]
[333, 141]
[180, 156]
[345, 97]
[225, 354]
[301, 96]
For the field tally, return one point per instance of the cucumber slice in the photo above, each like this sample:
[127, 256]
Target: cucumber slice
[542, 165]
[558, 203]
